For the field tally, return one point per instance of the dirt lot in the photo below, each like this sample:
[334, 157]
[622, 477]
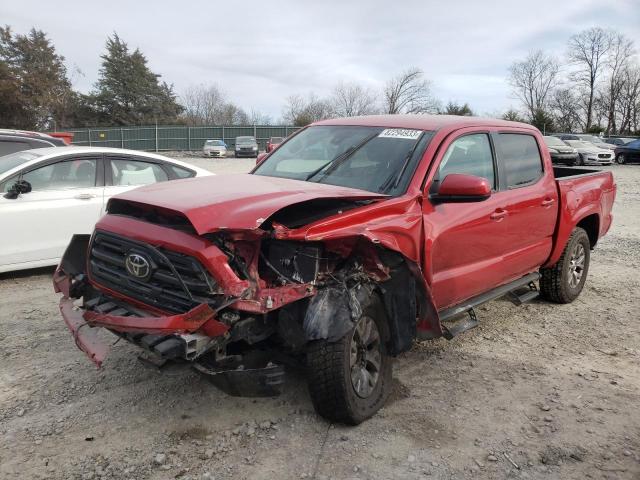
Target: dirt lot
[539, 391]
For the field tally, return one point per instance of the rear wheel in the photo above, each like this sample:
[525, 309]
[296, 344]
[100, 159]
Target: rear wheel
[350, 380]
[620, 159]
[563, 282]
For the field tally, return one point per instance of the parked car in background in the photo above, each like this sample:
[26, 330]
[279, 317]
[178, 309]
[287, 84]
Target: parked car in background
[345, 244]
[629, 153]
[214, 148]
[246, 147]
[273, 142]
[560, 151]
[590, 154]
[619, 141]
[597, 141]
[567, 136]
[49, 194]
[12, 141]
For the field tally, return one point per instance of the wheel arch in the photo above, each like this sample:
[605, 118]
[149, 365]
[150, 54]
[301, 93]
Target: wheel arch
[591, 225]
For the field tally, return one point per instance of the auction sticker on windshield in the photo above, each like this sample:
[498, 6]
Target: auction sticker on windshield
[400, 133]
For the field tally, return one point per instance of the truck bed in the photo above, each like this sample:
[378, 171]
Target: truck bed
[585, 195]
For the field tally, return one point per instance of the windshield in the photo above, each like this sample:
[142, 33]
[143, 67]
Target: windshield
[215, 143]
[368, 158]
[554, 141]
[245, 140]
[14, 159]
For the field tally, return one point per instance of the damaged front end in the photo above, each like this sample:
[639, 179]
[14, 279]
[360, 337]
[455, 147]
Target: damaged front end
[236, 304]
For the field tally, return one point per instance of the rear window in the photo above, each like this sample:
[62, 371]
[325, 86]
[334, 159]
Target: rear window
[521, 158]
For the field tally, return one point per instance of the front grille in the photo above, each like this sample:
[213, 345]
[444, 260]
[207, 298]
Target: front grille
[604, 155]
[162, 289]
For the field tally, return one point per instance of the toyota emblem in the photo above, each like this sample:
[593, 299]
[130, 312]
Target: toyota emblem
[137, 266]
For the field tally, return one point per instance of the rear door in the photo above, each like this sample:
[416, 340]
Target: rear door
[125, 172]
[467, 239]
[66, 199]
[531, 201]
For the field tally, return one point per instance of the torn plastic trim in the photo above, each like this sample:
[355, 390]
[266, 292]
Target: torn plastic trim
[85, 336]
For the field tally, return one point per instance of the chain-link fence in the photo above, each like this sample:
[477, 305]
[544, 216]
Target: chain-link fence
[162, 138]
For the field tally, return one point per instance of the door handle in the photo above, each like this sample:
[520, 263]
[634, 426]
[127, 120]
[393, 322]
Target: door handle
[85, 196]
[547, 202]
[498, 215]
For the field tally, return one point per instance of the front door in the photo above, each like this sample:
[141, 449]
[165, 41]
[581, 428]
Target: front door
[466, 246]
[66, 199]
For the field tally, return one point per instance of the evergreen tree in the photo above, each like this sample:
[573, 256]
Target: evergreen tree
[128, 92]
[34, 88]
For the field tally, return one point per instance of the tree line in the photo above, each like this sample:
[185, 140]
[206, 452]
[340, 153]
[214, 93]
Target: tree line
[594, 88]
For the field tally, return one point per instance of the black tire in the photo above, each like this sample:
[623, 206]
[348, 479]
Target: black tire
[558, 283]
[330, 379]
[620, 159]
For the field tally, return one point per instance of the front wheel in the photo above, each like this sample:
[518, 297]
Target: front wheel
[620, 159]
[350, 380]
[563, 282]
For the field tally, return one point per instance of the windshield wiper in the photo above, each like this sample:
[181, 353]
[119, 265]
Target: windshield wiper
[387, 183]
[340, 159]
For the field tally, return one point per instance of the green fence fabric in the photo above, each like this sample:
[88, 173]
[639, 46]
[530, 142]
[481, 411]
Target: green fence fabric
[163, 137]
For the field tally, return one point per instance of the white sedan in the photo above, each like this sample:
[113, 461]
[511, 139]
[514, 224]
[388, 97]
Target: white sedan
[49, 194]
[589, 154]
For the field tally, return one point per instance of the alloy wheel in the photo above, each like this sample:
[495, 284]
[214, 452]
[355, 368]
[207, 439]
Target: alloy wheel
[366, 358]
[576, 265]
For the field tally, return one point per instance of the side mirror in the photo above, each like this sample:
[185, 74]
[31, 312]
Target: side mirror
[458, 187]
[21, 186]
[260, 158]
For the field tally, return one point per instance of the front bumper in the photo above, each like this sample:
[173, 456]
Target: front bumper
[215, 153]
[85, 325]
[246, 153]
[594, 160]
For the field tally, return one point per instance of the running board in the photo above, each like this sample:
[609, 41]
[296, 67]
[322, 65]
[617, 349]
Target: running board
[467, 307]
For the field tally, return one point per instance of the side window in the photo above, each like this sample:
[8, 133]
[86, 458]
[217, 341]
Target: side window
[521, 158]
[136, 172]
[471, 155]
[79, 173]
[180, 172]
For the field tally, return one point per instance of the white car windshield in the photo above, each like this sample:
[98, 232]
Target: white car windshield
[16, 159]
[554, 142]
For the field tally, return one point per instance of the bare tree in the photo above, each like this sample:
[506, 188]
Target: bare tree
[203, 104]
[588, 52]
[629, 104]
[409, 92]
[208, 105]
[259, 118]
[350, 100]
[533, 79]
[620, 54]
[565, 110]
[301, 112]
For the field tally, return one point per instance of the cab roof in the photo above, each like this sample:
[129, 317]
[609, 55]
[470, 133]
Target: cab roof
[423, 122]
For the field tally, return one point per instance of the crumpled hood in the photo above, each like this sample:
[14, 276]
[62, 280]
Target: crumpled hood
[234, 202]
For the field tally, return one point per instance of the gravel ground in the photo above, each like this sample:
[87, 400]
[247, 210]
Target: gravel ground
[539, 391]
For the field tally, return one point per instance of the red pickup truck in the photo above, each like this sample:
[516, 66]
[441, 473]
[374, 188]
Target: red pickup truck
[342, 246]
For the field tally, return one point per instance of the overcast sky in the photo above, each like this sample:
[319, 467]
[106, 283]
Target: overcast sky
[259, 52]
